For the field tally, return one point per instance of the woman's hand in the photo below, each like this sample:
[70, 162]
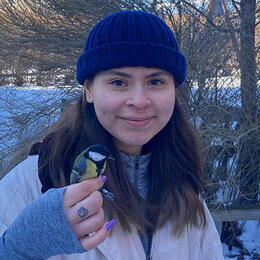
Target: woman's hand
[61, 221]
[83, 206]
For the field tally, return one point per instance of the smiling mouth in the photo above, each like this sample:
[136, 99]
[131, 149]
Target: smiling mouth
[134, 121]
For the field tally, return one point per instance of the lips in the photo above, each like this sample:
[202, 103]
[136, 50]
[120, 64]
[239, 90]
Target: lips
[137, 121]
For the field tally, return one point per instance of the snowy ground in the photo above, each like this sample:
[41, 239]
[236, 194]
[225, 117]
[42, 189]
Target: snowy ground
[251, 241]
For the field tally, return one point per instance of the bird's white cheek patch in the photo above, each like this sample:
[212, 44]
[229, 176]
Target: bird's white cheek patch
[96, 157]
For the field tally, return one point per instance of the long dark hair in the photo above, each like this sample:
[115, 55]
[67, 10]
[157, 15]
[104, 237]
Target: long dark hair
[175, 169]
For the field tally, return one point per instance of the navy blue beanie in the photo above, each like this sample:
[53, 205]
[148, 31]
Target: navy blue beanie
[131, 38]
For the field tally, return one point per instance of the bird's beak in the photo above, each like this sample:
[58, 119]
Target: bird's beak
[111, 158]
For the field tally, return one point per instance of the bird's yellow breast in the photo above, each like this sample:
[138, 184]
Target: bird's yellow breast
[90, 171]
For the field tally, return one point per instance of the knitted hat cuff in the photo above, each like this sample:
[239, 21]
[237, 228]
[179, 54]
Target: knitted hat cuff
[128, 54]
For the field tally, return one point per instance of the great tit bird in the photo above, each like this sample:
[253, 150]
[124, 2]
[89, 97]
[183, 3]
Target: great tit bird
[91, 163]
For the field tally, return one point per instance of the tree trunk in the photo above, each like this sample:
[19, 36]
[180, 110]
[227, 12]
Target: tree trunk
[249, 142]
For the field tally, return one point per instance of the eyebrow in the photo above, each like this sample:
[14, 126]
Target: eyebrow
[157, 74]
[117, 73]
[123, 74]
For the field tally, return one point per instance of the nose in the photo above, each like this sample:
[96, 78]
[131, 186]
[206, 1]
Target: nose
[138, 98]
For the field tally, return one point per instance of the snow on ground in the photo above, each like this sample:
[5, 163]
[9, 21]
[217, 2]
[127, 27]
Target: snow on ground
[251, 241]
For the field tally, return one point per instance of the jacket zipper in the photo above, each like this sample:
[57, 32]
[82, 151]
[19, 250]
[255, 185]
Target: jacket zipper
[149, 257]
[136, 170]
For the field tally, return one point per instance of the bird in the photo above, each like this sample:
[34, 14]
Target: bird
[90, 163]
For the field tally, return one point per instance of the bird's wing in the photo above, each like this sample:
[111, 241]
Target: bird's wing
[78, 169]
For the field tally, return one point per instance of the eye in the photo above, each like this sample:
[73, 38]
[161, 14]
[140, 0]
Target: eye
[118, 83]
[155, 82]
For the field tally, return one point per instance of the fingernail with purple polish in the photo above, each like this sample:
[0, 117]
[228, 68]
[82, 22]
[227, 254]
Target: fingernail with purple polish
[110, 224]
[104, 178]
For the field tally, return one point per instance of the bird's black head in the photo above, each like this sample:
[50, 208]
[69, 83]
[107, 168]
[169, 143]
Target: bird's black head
[98, 153]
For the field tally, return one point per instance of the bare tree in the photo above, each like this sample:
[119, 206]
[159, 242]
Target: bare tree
[40, 42]
[249, 159]
[221, 47]
[46, 36]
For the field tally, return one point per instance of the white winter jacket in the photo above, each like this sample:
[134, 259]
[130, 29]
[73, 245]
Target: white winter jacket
[21, 186]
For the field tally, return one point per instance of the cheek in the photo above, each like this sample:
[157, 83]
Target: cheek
[104, 108]
[102, 111]
[166, 106]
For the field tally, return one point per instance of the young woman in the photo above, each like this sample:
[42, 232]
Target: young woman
[130, 68]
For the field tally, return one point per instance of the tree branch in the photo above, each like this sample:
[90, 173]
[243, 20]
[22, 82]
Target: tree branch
[235, 6]
[219, 28]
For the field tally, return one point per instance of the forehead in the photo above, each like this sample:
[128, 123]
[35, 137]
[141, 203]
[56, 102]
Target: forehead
[131, 72]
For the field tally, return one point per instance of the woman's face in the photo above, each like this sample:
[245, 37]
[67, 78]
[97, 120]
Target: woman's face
[132, 103]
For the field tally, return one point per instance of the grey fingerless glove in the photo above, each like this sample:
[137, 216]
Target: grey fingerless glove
[40, 231]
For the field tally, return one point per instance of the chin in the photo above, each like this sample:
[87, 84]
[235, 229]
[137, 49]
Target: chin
[138, 143]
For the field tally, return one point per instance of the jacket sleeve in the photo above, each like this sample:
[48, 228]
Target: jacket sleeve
[41, 229]
[211, 247]
[17, 189]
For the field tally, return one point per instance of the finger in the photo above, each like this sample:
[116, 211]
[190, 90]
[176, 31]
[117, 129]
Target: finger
[89, 242]
[85, 208]
[79, 191]
[89, 225]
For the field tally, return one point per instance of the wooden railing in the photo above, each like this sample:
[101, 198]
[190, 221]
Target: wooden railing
[235, 213]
